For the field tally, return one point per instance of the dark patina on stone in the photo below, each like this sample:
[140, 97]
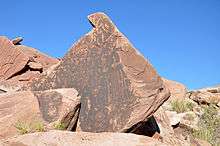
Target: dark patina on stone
[120, 90]
[49, 103]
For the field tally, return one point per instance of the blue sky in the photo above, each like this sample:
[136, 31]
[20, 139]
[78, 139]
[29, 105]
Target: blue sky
[181, 38]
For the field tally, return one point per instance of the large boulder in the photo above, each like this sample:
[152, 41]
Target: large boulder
[64, 138]
[21, 109]
[120, 89]
[20, 64]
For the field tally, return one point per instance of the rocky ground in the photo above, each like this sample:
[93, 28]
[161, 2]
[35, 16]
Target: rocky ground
[103, 92]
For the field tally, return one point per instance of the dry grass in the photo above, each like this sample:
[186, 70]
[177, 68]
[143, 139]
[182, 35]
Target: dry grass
[181, 106]
[59, 126]
[209, 122]
[38, 127]
[24, 128]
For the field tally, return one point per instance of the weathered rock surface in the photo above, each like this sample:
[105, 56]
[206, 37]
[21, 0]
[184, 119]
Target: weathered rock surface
[166, 130]
[12, 60]
[20, 64]
[206, 95]
[47, 107]
[199, 142]
[38, 57]
[64, 138]
[189, 120]
[173, 117]
[177, 90]
[120, 89]
[35, 66]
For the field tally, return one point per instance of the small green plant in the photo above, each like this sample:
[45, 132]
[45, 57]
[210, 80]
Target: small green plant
[209, 123]
[181, 106]
[22, 127]
[38, 127]
[59, 126]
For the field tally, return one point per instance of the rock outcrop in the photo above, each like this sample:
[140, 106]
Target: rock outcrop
[64, 138]
[47, 107]
[120, 89]
[20, 64]
[12, 59]
[209, 95]
[186, 118]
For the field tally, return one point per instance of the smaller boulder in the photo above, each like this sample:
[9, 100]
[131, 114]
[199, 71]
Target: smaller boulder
[21, 111]
[35, 66]
[187, 120]
[166, 130]
[17, 41]
[174, 117]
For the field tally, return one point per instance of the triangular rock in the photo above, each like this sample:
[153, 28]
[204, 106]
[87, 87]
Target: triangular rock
[119, 88]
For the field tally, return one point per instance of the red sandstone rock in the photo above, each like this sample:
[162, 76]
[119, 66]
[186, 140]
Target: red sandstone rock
[20, 64]
[46, 107]
[64, 138]
[177, 90]
[12, 60]
[120, 89]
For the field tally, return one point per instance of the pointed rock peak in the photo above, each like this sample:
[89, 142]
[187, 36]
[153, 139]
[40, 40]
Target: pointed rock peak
[100, 19]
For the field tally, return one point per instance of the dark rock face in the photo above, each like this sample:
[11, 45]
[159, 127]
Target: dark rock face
[119, 88]
[49, 101]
